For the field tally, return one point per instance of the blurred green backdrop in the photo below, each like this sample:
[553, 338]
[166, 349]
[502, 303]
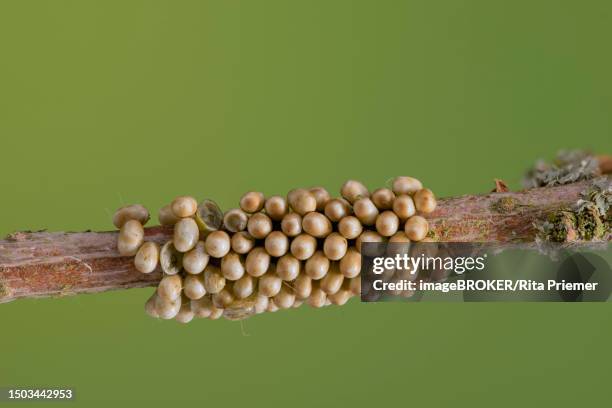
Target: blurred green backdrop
[104, 103]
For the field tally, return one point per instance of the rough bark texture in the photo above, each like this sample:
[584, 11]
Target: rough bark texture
[500, 217]
[40, 264]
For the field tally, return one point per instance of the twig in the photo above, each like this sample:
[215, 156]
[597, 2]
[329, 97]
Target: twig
[41, 264]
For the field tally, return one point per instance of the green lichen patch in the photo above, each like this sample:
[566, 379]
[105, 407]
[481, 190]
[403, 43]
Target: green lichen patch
[505, 205]
[590, 223]
[433, 235]
[560, 227]
[589, 220]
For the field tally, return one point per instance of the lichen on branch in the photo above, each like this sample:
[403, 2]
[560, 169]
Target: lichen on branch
[568, 167]
[589, 219]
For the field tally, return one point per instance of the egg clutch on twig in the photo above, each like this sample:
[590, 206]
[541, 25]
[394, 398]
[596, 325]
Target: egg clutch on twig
[269, 253]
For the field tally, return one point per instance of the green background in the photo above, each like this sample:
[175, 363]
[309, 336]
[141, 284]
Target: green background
[104, 103]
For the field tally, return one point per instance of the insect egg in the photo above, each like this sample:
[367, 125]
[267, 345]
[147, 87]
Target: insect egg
[244, 287]
[321, 196]
[214, 281]
[186, 235]
[261, 304]
[291, 225]
[223, 299]
[340, 297]
[387, 223]
[170, 287]
[270, 284]
[406, 185]
[202, 308]
[403, 207]
[285, 298]
[303, 286]
[195, 260]
[209, 217]
[242, 242]
[185, 314]
[215, 313]
[170, 259]
[276, 244]
[332, 282]
[337, 208]
[288, 267]
[366, 211]
[302, 201]
[276, 207]
[168, 309]
[184, 206]
[425, 201]
[252, 202]
[303, 246]
[232, 266]
[353, 190]
[131, 237]
[217, 244]
[350, 264]
[316, 224]
[131, 212]
[259, 225]
[350, 227]
[257, 262]
[317, 265]
[317, 297]
[335, 246]
[147, 257]
[416, 228]
[166, 216]
[368, 236]
[235, 220]
[193, 286]
[383, 198]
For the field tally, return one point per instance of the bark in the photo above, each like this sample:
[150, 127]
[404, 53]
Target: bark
[41, 264]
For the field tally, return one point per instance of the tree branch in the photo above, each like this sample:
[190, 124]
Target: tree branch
[41, 264]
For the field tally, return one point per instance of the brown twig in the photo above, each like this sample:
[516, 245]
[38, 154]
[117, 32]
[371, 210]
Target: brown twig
[41, 264]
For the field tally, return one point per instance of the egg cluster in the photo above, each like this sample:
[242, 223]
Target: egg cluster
[270, 253]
